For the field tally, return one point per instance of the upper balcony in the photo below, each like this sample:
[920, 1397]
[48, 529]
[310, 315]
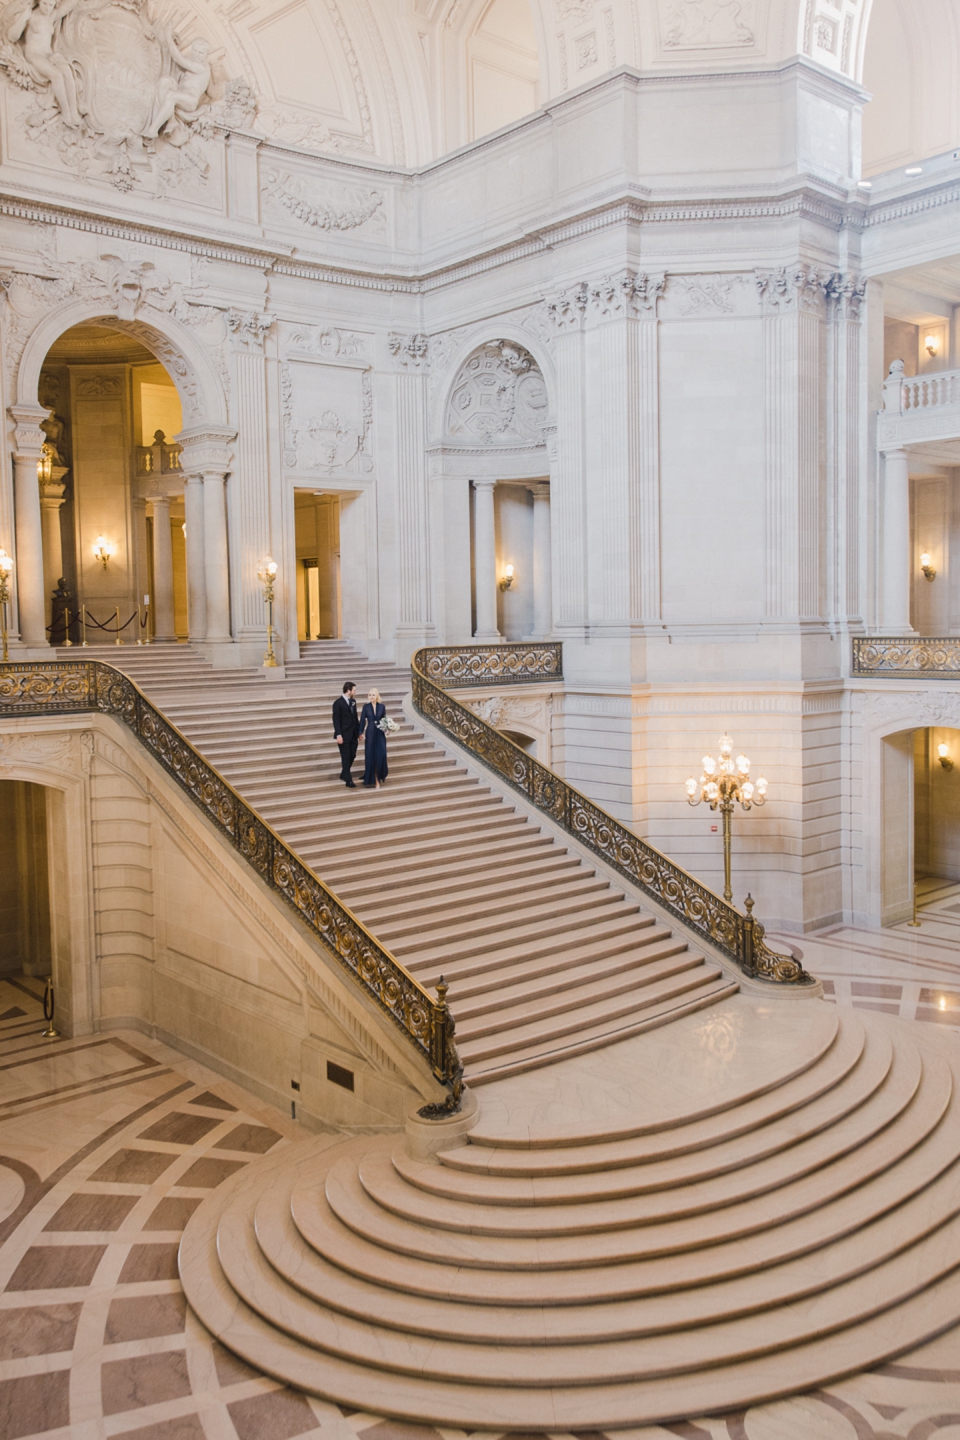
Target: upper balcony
[920, 409]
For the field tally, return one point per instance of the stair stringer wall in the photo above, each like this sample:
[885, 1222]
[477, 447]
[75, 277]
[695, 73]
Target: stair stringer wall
[159, 926]
[589, 857]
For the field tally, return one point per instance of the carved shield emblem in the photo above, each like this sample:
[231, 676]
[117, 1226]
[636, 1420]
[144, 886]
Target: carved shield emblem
[118, 61]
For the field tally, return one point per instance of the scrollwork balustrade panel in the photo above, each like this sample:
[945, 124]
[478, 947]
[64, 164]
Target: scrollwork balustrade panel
[692, 904]
[91, 685]
[494, 664]
[935, 657]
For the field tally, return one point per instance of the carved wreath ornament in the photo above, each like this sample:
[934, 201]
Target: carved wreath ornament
[117, 86]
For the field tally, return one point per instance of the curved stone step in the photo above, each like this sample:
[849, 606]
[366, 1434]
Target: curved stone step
[674, 1198]
[876, 1160]
[842, 1094]
[922, 1300]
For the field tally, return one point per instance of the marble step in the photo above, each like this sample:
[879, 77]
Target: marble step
[367, 876]
[570, 987]
[322, 1282]
[665, 1192]
[582, 902]
[540, 980]
[439, 900]
[477, 959]
[547, 1050]
[688, 1114]
[835, 1090]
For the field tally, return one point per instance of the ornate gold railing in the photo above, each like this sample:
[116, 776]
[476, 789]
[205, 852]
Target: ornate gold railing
[495, 664]
[46, 688]
[691, 904]
[936, 657]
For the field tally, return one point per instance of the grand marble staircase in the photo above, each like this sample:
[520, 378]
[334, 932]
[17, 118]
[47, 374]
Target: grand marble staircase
[632, 1221]
[543, 955]
[741, 1205]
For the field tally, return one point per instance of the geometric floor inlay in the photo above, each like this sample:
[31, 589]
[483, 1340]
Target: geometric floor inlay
[107, 1146]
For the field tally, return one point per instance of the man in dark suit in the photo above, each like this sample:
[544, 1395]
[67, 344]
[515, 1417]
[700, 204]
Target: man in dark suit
[345, 728]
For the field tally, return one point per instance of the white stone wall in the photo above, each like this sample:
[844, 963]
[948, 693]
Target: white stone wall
[159, 926]
[685, 260]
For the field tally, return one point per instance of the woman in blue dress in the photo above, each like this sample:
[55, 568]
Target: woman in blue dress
[374, 741]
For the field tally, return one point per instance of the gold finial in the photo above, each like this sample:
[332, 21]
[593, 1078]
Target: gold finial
[442, 988]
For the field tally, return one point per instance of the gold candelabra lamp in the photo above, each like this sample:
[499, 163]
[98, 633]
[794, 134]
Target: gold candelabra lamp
[726, 782]
[6, 570]
[267, 575]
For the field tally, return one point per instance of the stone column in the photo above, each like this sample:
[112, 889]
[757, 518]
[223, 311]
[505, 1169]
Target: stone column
[206, 458]
[485, 560]
[51, 499]
[216, 563]
[28, 575]
[542, 573]
[196, 558]
[164, 625]
[896, 543]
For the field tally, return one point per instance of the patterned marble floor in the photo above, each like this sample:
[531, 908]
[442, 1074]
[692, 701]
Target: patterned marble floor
[107, 1145]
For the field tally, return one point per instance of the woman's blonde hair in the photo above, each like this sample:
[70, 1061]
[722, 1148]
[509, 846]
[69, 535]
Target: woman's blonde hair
[374, 695]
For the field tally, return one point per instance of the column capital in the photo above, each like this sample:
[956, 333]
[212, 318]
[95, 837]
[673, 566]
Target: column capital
[29, 439]
[896, 452]
[206, 448]
[53, 492]
[484, 484]
[540, 489]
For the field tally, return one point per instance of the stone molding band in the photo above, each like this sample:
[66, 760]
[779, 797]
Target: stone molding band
[691, 904]
[73, 686]
[936, 657]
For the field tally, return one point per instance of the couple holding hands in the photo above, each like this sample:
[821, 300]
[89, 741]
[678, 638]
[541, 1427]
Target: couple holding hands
[373, 724]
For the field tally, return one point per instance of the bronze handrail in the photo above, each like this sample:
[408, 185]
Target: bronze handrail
[935, 657]
[57, 686]
[689, 902]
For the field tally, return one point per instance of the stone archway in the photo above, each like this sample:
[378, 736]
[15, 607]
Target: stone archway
[120, 300]
[495, 425]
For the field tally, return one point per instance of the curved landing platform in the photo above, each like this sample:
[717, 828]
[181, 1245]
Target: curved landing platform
[773, 1220]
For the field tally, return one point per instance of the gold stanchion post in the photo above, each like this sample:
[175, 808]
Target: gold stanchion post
[83, 623]
[116, 616]
[51, 1032]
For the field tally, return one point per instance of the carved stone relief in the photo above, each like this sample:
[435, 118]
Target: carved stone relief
[249, 328]
[34, 750]
[116, 91]
[95, 386]
[324, 207]
[411, 351]
[332, 344]
[126, 287]
[708, 24]
[327, 418]
[498, 397]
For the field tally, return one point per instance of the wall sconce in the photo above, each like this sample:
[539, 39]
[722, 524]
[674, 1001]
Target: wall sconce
[507, 580]
[931, 344]
[103, 550]
[943, 754]
[45, 464]
[926, 565]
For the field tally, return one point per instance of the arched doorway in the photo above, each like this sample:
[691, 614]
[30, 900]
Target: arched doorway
[112, 500]
[495, 497]
[205, 459]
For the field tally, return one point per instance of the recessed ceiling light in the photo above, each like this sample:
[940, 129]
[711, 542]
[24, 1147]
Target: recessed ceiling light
[864, 184]
[913, 170]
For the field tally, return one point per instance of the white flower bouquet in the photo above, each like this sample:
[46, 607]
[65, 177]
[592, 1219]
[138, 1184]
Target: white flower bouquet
[387, 725]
